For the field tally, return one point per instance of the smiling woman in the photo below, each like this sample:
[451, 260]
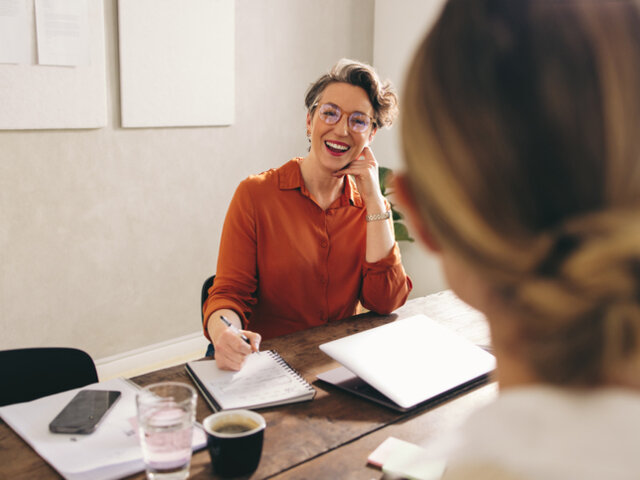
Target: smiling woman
[305, 243]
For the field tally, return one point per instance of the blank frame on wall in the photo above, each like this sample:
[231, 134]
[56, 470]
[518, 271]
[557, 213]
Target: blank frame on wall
[36, 96]
[177, 62]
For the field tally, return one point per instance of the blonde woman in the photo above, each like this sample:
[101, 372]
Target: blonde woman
[521, 131]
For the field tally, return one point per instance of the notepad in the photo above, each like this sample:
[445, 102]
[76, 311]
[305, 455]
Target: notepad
[265, 380]
[407, 363]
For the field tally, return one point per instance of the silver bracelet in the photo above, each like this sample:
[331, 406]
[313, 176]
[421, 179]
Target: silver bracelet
[378, 216]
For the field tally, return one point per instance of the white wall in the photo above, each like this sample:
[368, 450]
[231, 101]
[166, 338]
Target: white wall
[398, 26]
[106, 235]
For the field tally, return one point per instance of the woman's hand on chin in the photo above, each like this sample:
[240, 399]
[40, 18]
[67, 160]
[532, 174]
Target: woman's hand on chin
[364, 169]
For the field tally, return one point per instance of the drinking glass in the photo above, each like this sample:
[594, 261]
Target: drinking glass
[166, 412]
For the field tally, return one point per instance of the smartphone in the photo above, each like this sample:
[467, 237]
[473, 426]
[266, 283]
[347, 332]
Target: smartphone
[84, 412]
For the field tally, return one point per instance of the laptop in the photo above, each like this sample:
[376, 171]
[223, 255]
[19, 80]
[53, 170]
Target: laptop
[407, 363]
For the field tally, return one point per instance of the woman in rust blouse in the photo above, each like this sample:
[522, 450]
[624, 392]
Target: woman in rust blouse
[302, 244]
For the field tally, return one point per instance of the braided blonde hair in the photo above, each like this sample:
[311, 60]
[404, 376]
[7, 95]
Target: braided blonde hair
[521, 132]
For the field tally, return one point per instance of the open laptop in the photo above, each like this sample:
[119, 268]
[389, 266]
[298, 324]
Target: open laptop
[407, 363]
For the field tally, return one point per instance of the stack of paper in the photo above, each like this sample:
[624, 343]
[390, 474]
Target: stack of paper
[112, 451]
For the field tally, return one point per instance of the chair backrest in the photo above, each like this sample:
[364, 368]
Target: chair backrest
[208, 283]
[30, 373]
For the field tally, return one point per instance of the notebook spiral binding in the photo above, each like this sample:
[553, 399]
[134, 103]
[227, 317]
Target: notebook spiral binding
[293, 371]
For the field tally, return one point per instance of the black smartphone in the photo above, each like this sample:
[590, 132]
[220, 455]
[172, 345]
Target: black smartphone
[83, 413]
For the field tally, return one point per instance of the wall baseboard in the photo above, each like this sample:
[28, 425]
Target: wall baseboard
[152, 357]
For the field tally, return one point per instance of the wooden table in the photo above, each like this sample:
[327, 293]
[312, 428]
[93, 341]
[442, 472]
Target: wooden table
[329, 437]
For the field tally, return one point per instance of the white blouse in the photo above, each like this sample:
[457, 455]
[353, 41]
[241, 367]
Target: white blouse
[546, 433]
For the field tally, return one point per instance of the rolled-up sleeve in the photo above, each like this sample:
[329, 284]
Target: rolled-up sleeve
[235, 284]
[385, 284]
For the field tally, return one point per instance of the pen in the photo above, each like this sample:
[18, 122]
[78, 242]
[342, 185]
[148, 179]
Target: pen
[235, 329]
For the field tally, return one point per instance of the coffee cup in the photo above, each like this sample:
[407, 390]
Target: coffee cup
[234, 441]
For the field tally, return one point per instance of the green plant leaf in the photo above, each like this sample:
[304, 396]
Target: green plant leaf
[401, 232]
[383, 178]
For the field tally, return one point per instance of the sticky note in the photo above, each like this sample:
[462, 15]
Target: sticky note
[386, 449]
[399, 458]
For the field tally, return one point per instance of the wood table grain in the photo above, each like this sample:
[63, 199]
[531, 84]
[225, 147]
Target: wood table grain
[330, 436]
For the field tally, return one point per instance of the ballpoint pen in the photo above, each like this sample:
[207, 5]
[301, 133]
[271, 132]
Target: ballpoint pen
[235, 329]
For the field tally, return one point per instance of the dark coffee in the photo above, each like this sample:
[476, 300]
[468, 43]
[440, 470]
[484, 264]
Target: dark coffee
[235, 426]
[234, 439]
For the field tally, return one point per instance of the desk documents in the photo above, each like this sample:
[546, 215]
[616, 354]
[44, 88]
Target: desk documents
[265, 380]
[406, 363]
[112, 451]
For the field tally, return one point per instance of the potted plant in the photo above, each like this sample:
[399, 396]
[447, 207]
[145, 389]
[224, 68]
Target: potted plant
[385, 176]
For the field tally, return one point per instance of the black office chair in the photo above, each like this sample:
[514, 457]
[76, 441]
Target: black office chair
[208, 283]
[30, 373]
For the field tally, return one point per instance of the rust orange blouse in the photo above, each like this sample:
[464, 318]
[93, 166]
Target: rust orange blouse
[285, 264]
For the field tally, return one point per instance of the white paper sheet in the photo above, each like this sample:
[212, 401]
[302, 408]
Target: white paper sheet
[112, 451]
[15, 38]
[62, 28]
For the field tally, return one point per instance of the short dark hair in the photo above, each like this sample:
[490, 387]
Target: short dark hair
[381, 94]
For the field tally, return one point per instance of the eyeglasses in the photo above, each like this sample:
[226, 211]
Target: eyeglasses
[331, 114]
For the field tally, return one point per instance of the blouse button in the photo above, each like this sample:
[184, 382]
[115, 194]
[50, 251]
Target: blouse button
[323, 244]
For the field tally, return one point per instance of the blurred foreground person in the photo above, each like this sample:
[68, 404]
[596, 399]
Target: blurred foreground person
[521, 133]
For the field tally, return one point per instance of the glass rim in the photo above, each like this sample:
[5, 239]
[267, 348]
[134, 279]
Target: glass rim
[168, 384]
[147, 392]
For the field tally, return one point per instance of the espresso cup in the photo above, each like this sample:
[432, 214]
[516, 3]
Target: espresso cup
[234, 440]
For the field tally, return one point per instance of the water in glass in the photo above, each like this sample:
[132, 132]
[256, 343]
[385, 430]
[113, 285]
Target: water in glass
[165, 419]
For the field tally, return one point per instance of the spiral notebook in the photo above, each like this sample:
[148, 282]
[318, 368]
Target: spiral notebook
[265, 380]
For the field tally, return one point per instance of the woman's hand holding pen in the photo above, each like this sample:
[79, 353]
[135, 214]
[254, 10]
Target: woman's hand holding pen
[232, 345]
